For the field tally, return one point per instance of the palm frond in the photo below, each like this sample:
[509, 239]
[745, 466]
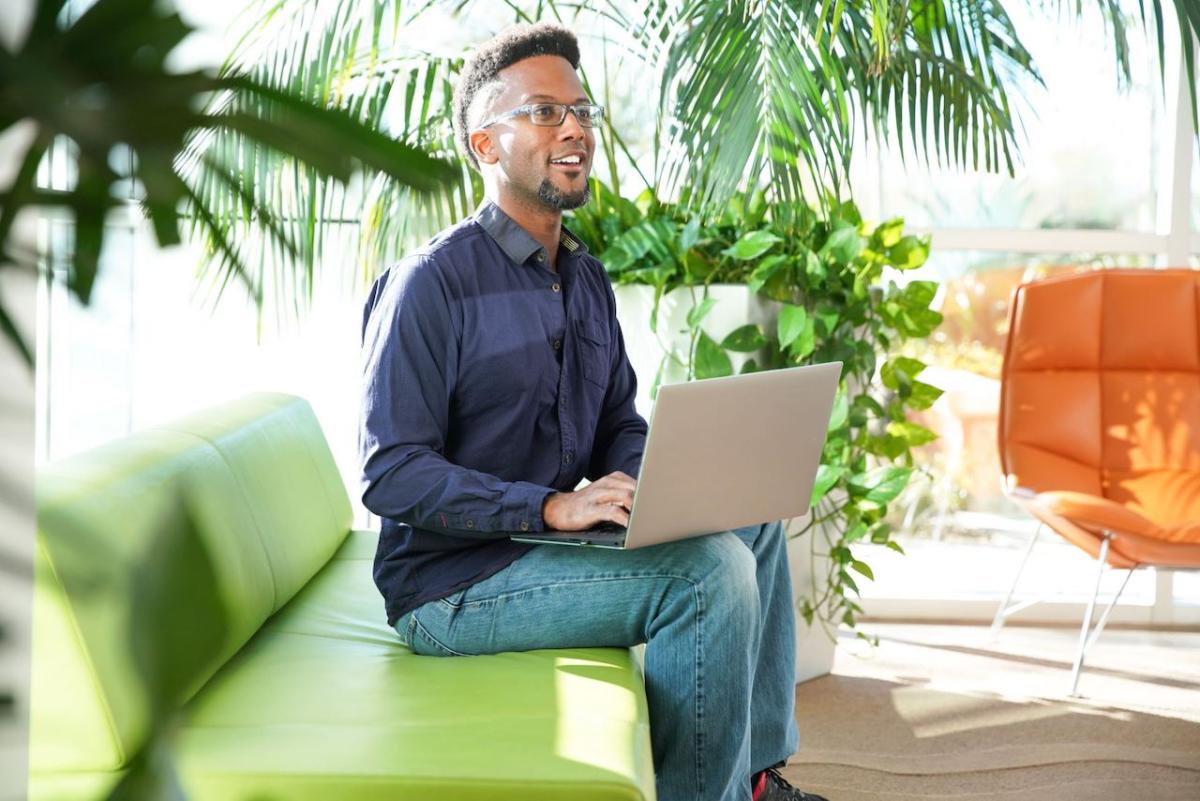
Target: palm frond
[952, 74]
[773, 90]
[351, 56]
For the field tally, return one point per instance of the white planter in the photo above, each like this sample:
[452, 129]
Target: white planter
[814, 648]
[735, 306]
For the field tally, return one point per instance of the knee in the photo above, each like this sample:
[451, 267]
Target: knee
[716, 577]
[774, 534]
[731, 570]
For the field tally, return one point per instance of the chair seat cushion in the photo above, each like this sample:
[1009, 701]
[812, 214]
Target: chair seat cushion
[325, 703]
[1137, 538]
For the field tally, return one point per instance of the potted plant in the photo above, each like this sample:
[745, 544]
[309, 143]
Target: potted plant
[801, 287]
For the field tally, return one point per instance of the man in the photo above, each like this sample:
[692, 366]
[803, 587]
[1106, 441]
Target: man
[495, 380]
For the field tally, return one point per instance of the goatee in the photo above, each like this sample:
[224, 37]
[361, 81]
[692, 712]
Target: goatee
[553, 197]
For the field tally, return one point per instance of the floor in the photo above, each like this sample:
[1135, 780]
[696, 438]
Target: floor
[948, 712]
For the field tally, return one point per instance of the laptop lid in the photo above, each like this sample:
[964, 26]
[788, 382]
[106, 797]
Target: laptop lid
[723, 453]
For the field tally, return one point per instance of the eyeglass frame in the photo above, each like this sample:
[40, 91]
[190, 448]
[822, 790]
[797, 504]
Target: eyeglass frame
[526, 109]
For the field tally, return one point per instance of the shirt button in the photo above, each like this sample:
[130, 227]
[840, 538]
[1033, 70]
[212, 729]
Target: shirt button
[566, 458]
[557, 344]
[555, 287]
[470, 524]
[524, 526]
[541, 256]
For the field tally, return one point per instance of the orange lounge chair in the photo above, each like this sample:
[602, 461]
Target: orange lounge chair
[1100, 420]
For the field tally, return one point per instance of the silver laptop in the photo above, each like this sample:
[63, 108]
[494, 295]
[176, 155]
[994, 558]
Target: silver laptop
[720, 454]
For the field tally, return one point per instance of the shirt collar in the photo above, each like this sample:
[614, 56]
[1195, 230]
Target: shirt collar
[515, 241]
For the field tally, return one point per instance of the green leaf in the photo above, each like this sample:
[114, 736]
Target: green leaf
[843, 245]
[772, 273]
[923, 395]
[827, 476]
[757, 208]
[881, 485]
[841, 411]
[750, 366]
[697, 313]
[650, 241]
[848, 581]
[746, 339]
[888, 233]
[699, 267]
[827, 320]
[909, 253]
[856, 532]
[919, 322]
[752, 245]
[848, 211]
[711, 360]
[914, 435]
[690, 235]
[900, 372]
[863, 568]
[814, 268]
[658, 375]
[919, 294]
[791, 323]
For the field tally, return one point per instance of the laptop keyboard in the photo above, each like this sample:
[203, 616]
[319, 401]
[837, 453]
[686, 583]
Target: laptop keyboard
[605, 528]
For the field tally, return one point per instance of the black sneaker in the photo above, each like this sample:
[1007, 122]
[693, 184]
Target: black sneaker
[776, 788]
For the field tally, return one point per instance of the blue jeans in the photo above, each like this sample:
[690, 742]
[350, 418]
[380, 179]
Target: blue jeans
[716, 614]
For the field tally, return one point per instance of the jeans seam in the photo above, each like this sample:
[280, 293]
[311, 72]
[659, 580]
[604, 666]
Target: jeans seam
[505, 596]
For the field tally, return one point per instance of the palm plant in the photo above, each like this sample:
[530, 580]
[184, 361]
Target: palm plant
[745, 92]
[101, 82]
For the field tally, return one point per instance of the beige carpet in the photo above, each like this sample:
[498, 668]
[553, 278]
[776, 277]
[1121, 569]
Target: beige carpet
[943, 712]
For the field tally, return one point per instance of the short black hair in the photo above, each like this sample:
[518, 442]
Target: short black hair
[503, 50]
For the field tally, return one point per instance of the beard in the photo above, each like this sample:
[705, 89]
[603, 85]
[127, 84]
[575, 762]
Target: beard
[550, 195]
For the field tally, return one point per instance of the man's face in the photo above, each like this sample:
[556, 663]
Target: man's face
[525, 153]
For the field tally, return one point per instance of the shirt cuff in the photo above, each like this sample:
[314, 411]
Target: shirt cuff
[523, 506]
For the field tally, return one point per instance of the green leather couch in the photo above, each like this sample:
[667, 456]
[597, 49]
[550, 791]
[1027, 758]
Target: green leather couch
[235, 523]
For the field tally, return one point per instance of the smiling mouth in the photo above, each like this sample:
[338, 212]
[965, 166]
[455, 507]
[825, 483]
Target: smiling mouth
[572, 162]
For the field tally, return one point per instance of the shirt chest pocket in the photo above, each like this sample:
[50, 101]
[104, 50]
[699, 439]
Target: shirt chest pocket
[594, 343]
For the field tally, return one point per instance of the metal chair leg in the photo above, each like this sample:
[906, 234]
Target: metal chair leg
[1104, 618]
[1004, 609]
[1087, 616]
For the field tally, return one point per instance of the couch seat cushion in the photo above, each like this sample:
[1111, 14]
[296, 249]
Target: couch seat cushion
[325, 703]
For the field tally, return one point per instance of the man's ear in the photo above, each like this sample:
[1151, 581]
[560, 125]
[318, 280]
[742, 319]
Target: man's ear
[483, 147]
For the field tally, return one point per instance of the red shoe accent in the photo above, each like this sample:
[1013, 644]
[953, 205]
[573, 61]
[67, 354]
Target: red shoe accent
[758, 783]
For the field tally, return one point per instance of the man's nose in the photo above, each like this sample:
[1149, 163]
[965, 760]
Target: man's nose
[570, 128]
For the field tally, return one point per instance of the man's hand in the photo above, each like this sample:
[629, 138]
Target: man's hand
[608, 499]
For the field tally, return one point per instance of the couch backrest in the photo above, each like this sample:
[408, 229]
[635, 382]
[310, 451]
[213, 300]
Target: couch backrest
[1101, 388]
[242, 502]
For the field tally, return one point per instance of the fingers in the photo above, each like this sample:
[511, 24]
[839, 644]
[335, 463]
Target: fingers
[620, 479]
[616, 514]
[620, 496]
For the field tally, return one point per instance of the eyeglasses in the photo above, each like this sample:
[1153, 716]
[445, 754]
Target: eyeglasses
[552, 114]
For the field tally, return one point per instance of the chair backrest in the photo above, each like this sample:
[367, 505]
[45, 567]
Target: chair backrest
[1100, 390]
[241, 504]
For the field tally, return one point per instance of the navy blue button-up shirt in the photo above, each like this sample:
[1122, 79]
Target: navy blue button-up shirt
[490, 382]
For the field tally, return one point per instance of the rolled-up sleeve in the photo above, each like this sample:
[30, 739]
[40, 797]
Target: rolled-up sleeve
[621, 431]
[410, 347]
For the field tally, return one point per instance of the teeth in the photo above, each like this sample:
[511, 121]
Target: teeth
[566, 160]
